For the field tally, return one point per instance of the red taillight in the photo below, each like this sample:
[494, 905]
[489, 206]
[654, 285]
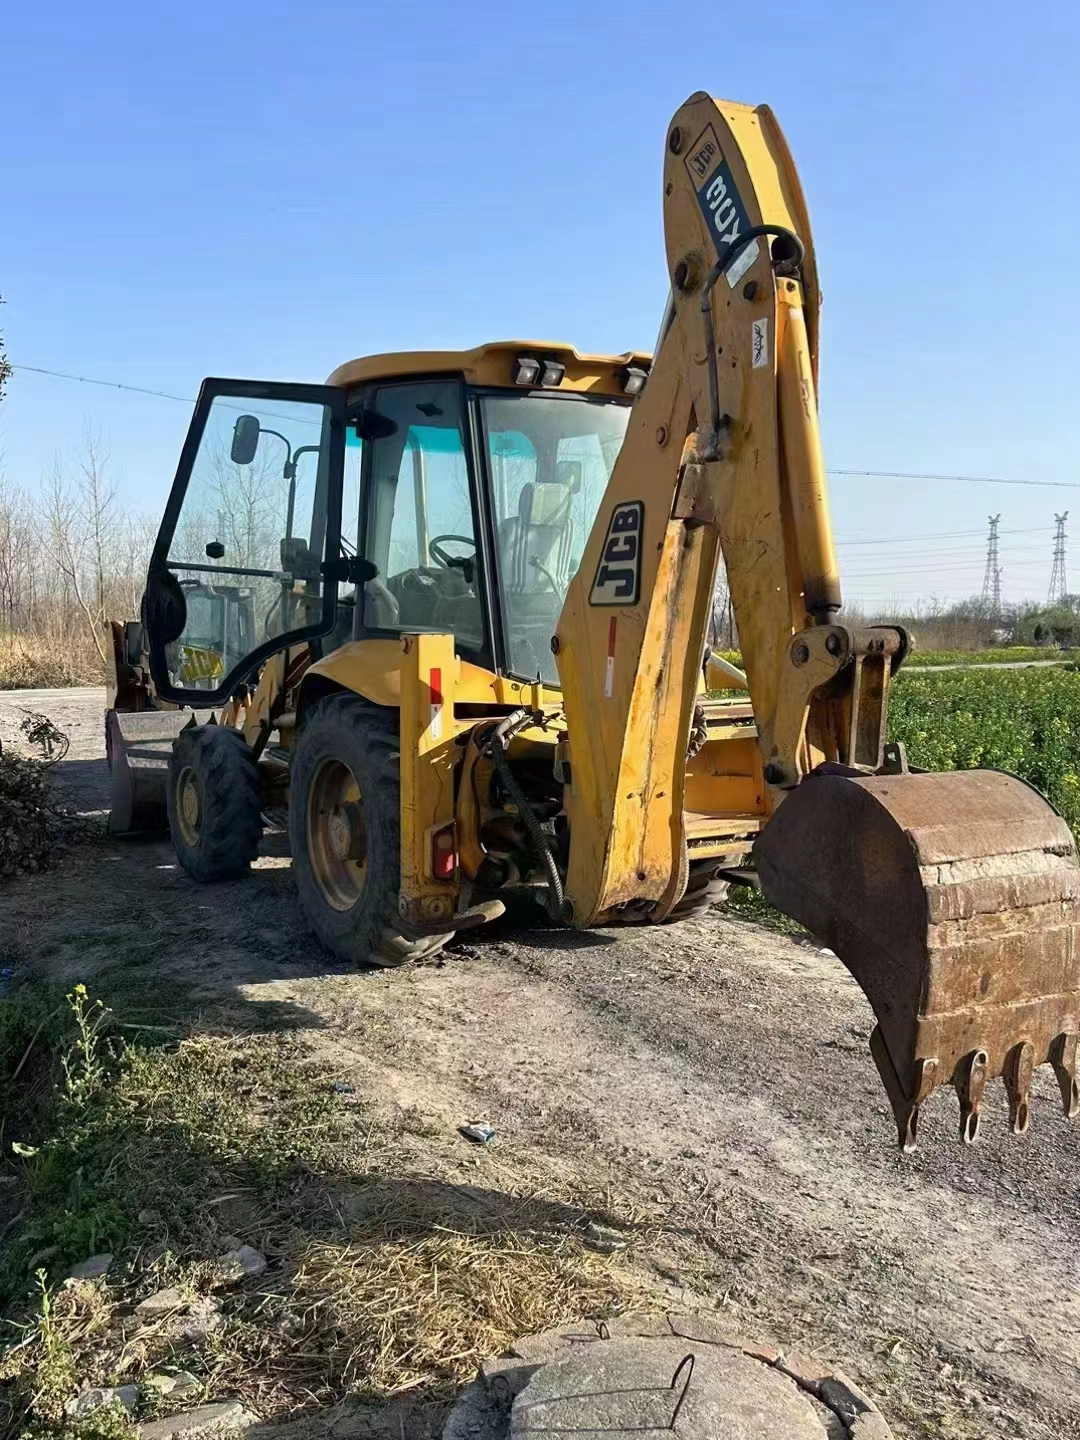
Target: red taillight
[444, 853]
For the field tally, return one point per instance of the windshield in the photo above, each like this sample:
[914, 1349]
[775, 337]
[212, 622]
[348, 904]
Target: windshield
[549, 461]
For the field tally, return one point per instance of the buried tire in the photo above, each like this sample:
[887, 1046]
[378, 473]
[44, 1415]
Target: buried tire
[703, 890]
[345, 833]
[212, 797]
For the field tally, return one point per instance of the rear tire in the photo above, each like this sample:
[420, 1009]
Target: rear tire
[703, 891]
[345, 833]
[213, 802]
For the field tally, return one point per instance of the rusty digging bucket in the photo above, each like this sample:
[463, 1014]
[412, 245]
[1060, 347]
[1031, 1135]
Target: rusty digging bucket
[953, 900]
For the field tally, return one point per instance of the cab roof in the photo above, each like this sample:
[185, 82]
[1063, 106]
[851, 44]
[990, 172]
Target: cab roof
[494, 364]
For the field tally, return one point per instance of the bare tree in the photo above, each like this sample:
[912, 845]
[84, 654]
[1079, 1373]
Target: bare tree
[721, 634]
[19, 554]
[96, 504]
[5, 367]
[82, 532]
[70, 561]
[66, 542]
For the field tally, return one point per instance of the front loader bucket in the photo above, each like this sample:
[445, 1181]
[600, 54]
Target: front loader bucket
[954, 900]
[138, 746]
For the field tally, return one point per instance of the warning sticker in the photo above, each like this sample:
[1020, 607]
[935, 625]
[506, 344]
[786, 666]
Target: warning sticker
[759, 343]
[742, 262]
[436, 701]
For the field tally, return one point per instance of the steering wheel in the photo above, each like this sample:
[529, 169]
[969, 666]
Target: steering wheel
[452, 562]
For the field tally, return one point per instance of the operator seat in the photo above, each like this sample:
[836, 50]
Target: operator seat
[536, 562]
[535, 544]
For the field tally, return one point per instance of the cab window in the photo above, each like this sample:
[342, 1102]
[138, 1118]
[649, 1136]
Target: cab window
[549, 461]
[419, 529]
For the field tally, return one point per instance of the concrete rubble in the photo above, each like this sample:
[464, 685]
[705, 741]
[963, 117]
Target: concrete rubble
[181, 1386]
[162, 1302]
[92, 1269]
[227, 1419]
[96, 1397]
[238, 1264]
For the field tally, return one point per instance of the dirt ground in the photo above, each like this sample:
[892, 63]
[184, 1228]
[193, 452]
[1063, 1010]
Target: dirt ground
[712, 1079]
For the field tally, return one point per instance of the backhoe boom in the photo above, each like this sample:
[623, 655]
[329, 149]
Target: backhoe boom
[952, 899]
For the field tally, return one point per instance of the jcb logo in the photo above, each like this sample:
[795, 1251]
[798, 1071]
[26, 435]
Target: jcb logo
[704, 155]
[618, 576]
[701, 160]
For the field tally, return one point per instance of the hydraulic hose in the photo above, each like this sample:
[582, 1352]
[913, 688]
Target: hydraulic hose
[495, 749]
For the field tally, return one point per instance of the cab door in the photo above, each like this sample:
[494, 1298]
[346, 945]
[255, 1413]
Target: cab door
[248, 558]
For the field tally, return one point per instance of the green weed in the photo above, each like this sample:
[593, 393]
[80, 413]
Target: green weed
[83, 1066]
[750, 904]
[1000, 655]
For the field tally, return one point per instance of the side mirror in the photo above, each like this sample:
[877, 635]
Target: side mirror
[245, 440]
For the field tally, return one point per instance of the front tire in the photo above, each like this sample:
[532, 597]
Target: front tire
[345, 833]
[215, 813]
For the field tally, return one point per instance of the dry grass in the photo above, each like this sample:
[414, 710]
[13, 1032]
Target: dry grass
[412, 1299]
[384, 1280]
[29, 662]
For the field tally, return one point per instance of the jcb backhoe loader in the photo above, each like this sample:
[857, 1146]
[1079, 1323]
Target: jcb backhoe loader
[480, 584]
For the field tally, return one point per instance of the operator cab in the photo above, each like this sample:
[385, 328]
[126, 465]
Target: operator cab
[429, 492]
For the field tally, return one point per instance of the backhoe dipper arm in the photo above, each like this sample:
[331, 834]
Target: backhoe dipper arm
[722, 450]
[951, 898]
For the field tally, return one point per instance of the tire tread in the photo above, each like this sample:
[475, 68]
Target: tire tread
[231, 820]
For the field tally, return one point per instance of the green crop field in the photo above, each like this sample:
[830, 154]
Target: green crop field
[1024, 721]
[1002, 655]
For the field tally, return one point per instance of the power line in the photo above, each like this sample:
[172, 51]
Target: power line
[962, 559]
[112, 384]
[159, 394]
[960, 479]
[940, 535]
[857, 474]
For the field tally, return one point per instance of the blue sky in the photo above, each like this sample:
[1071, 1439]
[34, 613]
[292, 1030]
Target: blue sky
[267, 189]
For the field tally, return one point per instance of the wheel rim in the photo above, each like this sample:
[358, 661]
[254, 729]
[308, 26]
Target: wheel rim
[188, 806]
[336, 838]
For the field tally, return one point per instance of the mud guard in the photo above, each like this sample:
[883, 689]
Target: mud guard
[953, 900]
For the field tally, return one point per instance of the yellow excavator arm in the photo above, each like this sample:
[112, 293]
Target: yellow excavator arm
[951, 898]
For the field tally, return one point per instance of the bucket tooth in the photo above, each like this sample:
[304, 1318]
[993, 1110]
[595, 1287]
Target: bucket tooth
[1063, 1059]
[1019, 1066]
[970, 1086]
[954, 901]
[905, 1104]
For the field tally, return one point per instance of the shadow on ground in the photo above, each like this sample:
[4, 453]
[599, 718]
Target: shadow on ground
[143, 934]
